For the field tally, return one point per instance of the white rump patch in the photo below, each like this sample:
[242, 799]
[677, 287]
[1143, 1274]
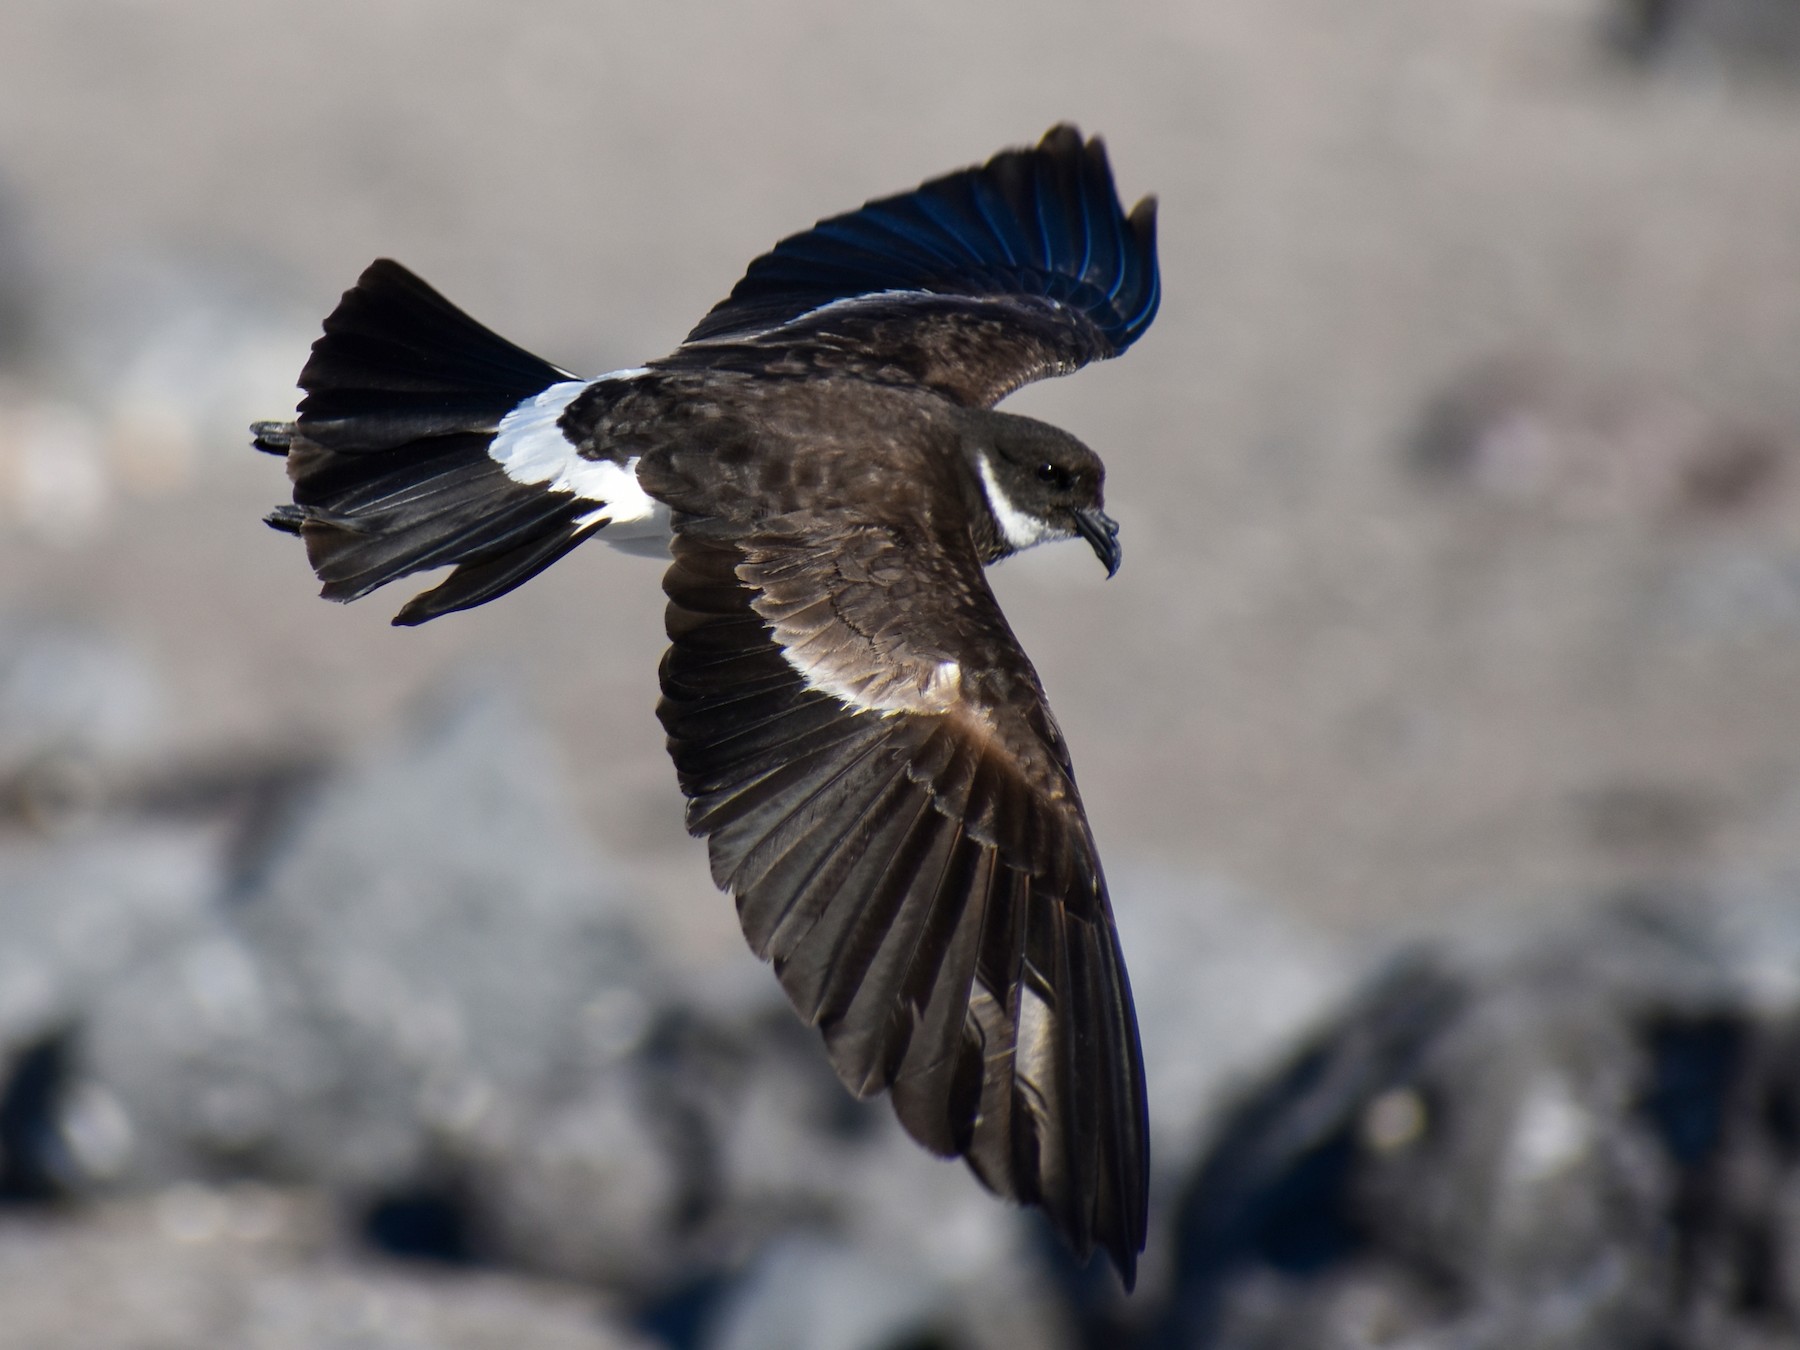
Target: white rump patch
[1020, 529]
[532, 448]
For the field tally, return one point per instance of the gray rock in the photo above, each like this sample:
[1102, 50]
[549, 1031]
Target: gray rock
[76, 710]
[253, 1268]
[1587, 1138]
[596, 1187]
[429, 954]
[808, 1294]
[84, 910]
[1761, 35]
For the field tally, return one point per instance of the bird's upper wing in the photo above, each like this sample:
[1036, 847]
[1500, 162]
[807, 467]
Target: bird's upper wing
[886, 795]
[971, 284]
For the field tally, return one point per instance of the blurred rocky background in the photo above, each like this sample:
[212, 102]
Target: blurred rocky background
[359, 989]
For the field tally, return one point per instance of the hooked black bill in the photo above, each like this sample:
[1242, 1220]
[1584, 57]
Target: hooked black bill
[1102, 533]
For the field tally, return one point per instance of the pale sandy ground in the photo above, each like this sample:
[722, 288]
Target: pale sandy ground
[1370, 704]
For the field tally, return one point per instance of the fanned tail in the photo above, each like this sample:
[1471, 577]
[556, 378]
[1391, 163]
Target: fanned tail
[390, 453]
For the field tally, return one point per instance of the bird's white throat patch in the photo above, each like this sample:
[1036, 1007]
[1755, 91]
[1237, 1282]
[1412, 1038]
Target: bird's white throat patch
[531, 448]
[1020, 529]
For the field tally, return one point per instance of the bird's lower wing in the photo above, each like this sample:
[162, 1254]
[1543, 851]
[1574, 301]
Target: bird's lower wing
[912, 856]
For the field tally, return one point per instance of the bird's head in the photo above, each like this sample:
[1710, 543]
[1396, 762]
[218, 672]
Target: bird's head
[1041, 483]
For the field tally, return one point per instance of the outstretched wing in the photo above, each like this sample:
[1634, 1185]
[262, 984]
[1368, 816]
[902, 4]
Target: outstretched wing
[887, 797]
[971, 284]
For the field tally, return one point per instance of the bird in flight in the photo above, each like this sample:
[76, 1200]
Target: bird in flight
[859, 735]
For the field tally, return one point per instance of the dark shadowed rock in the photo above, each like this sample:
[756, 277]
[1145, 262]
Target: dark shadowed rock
[1221, 982]
[1759, 35]
[82, 912]
[1586, 1140]
[778, 1163]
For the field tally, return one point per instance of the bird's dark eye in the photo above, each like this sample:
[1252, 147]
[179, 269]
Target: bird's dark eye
[1054, 474]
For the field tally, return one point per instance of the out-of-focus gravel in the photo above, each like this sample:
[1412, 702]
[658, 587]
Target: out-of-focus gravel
[1365, 697]
[402, 985]
[1589, 1137]
[1462, 591]
[253, 1269]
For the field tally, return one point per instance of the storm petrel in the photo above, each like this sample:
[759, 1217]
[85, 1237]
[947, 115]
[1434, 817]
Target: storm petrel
[860, 737]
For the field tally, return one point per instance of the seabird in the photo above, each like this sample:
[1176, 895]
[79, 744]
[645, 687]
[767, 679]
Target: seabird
[860, 737]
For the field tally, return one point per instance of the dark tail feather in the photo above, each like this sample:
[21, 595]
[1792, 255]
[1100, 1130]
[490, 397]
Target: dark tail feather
[389, 454]
[398, 362]
[272, 438]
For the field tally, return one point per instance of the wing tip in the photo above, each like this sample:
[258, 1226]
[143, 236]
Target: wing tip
[1042, 220]
[286, 519]
[907, 944]
[1124, 1259]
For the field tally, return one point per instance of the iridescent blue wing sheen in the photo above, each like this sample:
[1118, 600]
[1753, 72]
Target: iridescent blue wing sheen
[974, 283]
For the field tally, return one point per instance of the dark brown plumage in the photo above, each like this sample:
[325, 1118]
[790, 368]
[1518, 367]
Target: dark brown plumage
[862, 742]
